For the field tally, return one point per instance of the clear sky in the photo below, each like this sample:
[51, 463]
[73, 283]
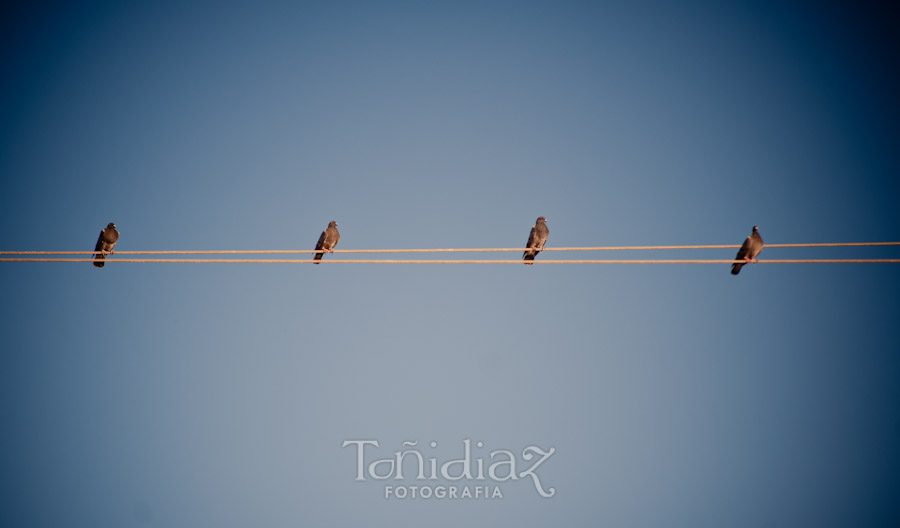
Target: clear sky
[674, 395]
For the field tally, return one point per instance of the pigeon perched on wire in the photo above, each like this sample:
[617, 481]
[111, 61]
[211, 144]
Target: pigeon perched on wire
[105, 243]
[327, 240]
[536, 240]
[749, 251]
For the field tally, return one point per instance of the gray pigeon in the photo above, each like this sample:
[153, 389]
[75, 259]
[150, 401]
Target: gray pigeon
[327, 240]
[106, 243]
[749, 251]
[536, 240]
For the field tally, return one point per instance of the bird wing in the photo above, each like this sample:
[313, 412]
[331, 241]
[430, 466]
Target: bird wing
[100, 242]
[745, 249]
[532, 237]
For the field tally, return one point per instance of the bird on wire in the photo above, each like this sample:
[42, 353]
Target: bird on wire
[105, 243]
[536, 240]
[327, 240]
[750, 249]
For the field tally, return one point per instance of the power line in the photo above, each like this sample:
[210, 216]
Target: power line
[438, 250]
[460, 261]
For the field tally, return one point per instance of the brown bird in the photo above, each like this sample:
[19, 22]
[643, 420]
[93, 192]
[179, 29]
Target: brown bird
[105, 244]
[536, 240]
[327, 240]
[750, 249]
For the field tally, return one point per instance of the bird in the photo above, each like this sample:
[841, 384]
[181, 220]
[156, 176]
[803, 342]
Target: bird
[327, 240]
[749, 251]
[105, 243]
[536, 240]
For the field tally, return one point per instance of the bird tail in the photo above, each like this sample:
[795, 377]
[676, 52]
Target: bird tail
[317, 256]
[528, 256]
[736, 268]
[98, 260]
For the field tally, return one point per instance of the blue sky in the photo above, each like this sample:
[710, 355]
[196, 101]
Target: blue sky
[674, 395]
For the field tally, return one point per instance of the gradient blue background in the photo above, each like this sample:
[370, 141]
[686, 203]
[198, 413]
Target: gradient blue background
[675, 395]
